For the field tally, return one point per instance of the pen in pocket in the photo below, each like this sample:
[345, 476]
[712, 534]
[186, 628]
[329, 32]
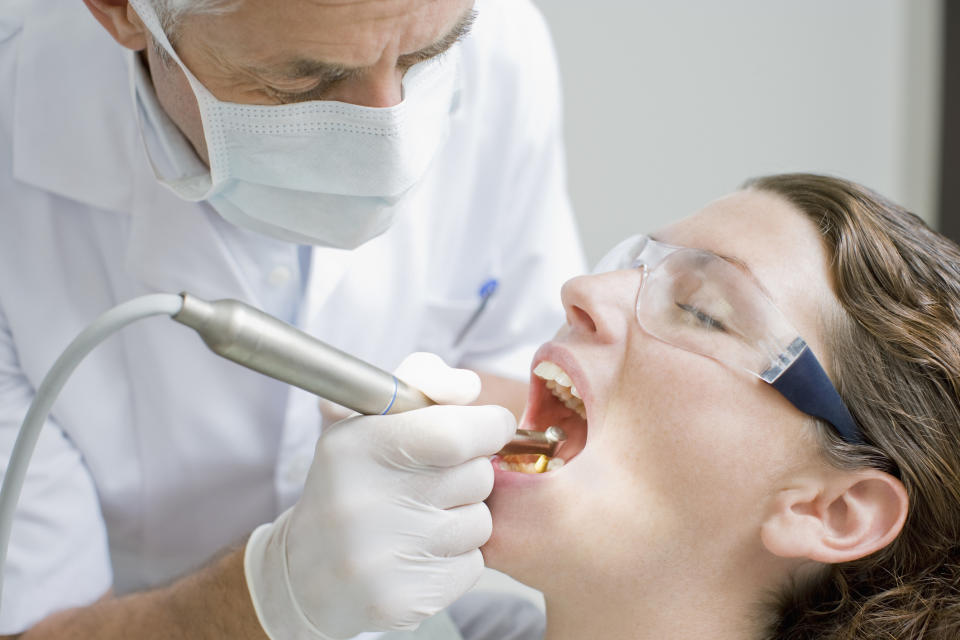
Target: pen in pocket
[486, 292]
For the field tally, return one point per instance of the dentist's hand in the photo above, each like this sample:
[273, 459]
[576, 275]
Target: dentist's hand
[388, 530]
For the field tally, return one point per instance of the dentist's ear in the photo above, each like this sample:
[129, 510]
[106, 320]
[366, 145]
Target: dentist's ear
[836, 517]
[123, 23]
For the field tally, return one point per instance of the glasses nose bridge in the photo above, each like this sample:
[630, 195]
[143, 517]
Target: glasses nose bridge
[654, 253]
[651, 256]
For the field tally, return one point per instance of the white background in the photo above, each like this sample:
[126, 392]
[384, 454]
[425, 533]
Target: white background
[672, 103]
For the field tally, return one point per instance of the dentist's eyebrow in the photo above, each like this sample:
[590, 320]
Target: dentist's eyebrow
[303, 68]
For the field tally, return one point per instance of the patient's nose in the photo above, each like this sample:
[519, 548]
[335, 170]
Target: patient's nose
[601, 305]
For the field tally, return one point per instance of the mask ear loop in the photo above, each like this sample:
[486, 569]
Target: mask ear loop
[195, 188]
[205, 99]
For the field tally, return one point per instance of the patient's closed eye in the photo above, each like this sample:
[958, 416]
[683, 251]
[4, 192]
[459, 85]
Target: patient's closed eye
[701, 318]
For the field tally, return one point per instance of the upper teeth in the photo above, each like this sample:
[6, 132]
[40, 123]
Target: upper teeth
[561, 385]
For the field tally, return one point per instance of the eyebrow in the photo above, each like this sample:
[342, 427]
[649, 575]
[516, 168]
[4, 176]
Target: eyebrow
[737, 262]
[304, 68]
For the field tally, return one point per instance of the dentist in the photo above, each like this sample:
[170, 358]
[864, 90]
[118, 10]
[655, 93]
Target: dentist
[387, 175]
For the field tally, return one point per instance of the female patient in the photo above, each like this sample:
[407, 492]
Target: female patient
[718, 486]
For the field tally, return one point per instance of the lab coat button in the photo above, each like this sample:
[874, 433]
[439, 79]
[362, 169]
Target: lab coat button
[280, 276]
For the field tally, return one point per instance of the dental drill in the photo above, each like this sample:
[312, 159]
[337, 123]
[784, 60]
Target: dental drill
[259, 341]
[251, 338]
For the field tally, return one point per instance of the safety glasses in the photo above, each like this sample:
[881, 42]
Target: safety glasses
[706, 304]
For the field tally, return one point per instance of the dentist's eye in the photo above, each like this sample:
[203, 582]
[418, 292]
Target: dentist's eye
[288, 97]
[701, 318]
[310, 91]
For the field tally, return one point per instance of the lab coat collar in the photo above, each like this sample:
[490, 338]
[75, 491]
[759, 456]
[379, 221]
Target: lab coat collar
[77, 148]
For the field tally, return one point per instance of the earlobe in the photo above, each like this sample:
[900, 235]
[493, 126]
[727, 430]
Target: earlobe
[121, 21]
[845, 516]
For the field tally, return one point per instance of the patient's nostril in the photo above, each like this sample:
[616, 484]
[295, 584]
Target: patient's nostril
[577, 316]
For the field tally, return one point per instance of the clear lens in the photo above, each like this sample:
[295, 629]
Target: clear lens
[702, 303]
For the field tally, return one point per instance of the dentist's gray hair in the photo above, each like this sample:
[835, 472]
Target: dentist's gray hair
[172, 12]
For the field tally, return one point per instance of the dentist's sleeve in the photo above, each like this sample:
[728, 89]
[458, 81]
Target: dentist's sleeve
[58, 556]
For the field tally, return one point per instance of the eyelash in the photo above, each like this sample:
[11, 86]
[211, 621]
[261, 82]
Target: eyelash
[703, 318]
[303, 96]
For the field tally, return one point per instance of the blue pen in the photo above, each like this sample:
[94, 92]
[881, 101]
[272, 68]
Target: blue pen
[487, 289]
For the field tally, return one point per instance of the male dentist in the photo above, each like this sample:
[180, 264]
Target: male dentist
[387, 175]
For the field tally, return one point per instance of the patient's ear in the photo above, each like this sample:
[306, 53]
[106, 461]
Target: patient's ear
[836, 517]
[123, 23]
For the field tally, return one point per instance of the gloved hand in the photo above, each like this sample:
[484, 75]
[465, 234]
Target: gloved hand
[388, 530]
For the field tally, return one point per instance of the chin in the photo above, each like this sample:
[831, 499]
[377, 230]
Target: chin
[528, 507]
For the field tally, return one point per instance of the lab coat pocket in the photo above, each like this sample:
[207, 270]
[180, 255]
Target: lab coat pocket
[447, 327]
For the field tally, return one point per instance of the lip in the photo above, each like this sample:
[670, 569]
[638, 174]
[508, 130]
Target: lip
[503, 478]
[555, 353]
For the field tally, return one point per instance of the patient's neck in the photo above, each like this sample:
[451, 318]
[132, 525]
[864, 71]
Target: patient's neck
[692, 607]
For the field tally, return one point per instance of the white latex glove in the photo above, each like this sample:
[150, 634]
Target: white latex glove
[388, 530]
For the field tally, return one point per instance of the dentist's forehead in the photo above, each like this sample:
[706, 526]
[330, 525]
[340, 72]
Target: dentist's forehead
[349, 33]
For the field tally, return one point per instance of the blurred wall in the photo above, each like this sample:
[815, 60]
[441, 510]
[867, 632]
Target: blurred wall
[671, 103]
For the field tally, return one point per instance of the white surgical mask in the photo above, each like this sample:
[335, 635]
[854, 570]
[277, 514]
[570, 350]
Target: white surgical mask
[321, 172]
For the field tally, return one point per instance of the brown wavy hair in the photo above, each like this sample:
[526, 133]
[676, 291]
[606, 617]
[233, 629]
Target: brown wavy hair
[894, 354]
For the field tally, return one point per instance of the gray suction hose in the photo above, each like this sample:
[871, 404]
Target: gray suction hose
[102, 328]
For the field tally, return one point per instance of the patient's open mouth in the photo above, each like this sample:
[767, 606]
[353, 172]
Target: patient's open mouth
[555, 402]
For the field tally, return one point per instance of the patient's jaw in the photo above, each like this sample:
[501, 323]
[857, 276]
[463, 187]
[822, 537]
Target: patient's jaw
[685, 457]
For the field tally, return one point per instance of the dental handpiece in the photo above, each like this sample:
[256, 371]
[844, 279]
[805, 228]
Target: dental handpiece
[260, 342]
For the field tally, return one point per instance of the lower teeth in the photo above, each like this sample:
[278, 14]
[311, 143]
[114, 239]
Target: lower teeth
[530, 464]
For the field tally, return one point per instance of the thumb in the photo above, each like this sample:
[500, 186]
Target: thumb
[439, 382]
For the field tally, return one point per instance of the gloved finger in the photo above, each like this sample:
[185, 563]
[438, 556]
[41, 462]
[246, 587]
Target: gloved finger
[460, 573]
[424, 590]
[464, 529]
[331, 412]
[444, 436]
[451, 487]
[441, 383]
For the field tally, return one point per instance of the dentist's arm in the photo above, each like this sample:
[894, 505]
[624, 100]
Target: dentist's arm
[386, 534]
[211, 603]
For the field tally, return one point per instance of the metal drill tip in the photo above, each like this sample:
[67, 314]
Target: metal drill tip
[547, 442]
[556, 434]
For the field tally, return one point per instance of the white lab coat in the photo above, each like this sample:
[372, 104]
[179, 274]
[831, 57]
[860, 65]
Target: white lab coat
[158, 453]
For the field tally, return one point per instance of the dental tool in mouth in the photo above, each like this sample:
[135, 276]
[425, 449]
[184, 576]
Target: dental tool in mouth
[541, 464]
[541, 457]
[531, 444]
[265, 344]
[529, 441]
[536, 453]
